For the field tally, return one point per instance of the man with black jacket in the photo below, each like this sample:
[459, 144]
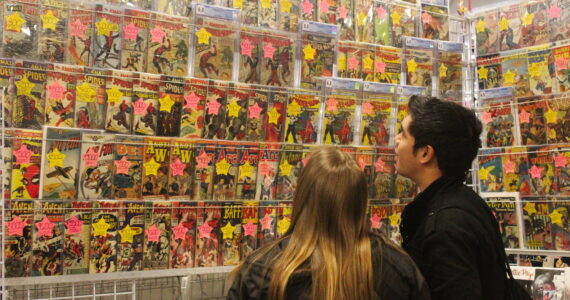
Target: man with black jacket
[448, 229]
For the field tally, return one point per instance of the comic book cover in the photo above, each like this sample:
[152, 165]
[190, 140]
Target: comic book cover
[435, 22]
[168, 47]
[268, 14]
[397, 206]
[309, 10]
[26, 173]
[18, 244]
[283, 218]
[419, 67]
[250, 56]
[231, 233]
[215, 111]
[535, 31]
[157, 235]
[29, 105]
[108, 40]
[236, 113]
[257, 110]
[289, 171]
[541, 170]
[195, 93]
[516, 177]
[449, 71]
[7, 88]
[487, 32]
[327, 11]
[302, 118]
[532, 125]
[91, 98]
[226, 172]
[59, 180]
[491, 170]
[47, 243]
[376, 118]
[145, 103]
[560, 227]
[549, 283]
[60, 96]
[368, 54]
[557, 117]
[540, 70]
[537, 229]
[562, 170]
[130, 238]
[128, 164]
[76, 239]
[498, 118]
[174, 7]
[155, 168]
[249, 228]
[338, 127]
[363, 13]
[384, 168]
[181, 169]
[510, 25]
[96, 167]
[208, 252]
[379, 213]
[345, 20]
[248, 161]
[349, 56]
[318, 57]
[80, 37]
[275, 117]
[7, 163]
[489, 71]
[387, 65]
[135, 40]
[21, 29]
[170, 98]
[103, 242]
[403, 20]
[267, 222]
[119, 117]
[278, 69]
[558, 23]
[382, 27]
[365, 160]
[268, 167]
[249, 11]
[53, 30]
[205, 155]
[289, 14]
[183, 239]
[562, 66]
[504, 210]
[514, 67]
[215, 46]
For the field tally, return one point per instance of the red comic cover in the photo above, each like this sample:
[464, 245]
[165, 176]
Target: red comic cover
[535, 31]
[340, 110]
[487, 30]
[80, 36]
[250, 57]
[267, 222]
[379, 217]
[531, 119]
[18, 240]
[26, 174]
[181, 169]
[156, 167]
[171, 97]
[108, 39]
[541, 170]
[257, 111]
[183, 237]
[510, 28]
[231, 233]
[145, 103]
[248, 160]
[168, 45]
[76, 237]
[208, 246]
[204, 154]
[249, 227]
[60, 97]
[516, 177]
[157, 234]
[268, 168]
[302, 118]
[387, 65]
[130, 238]
[349, 56]
[214, 55]
[558, 119]
[277, 62]
[103, 243]
[47, 245]
[91, 98]
[562, 170]
[195, 93]
[275, 117]
[119, 117]
[558, 23]
[135, 40]
[215, 113]
[29, 105]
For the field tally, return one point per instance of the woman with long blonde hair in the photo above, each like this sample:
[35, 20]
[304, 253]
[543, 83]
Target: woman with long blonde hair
[329, 252]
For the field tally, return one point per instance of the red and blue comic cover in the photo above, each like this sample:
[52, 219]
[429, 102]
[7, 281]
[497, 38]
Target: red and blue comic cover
[208, 238]
[249, 228]
[77, 237]
[103, 243]
[183, 237]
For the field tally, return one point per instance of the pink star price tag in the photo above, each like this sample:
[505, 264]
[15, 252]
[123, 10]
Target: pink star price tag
[268, 51]
[375, 221]
[205, 230]
[90, 158]
[535, 172]
[179, 231]
[177, 168]
[246, 47]
[367, 108]
[122, 166]
[192, 101]
[379, 165]
[324, 6]
[56, 90]
[254, 111]
[509, 167]
[157, 35]
[554, 11]
[307, 7]
[45, 227]
[343, 12]
[250, 229]
[140, 107]
[153, 233]
[73, 225]
[381, 12]
[77, 28]
[560, 161]
[266, 222]
[16, 226]
[202, 160]
[524, 117]
[487, 117]
[131, 31]
[380, 66]
[265, 168]
[23, 155]
[332, 104]
[213, 106]
[353, 63]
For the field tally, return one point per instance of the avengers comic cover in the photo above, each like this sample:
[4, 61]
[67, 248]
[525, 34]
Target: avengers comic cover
[128, 165]
[77, 237]
[435, 22]
[387, 65]
[382, 27]
[403, 20]
[535, 31]
[119, 117]
[491, 170]
[60, 96]
[168, 46]
[516, 176]
[514, 67]
[257, 110]
[557, 117]
[47, 243]
[79, 42]
[195, 93]
[558, 25]
[157, 234]
[510, 25]
[236, 113]
[208, 246]
[384, 168]
[283, 218]
[302, 118]
[365, 160]
[537, 223]
[145, 103]
[29, 105]
[505, 212]
[318, 58]
[181, 169]
[183, 239]
[249, 228]
[103, 242]
[532, 127]
[268, 168]
[204, 154]
[275, 117]
[541, 170]
[26, 173]
[170, 100]
[267, 223]
[289, 15]
[214, 53]
[135, 29]
[215, 112]
[226, 172]
[345, 20]
[156, 167]
[364, 21]
[52, 30]
[20, 29]
[91, 98]
[96, 166]
[541, 70]
[375, 123]
[7, 88]
[130, 238]
[248, 159]
[18, 246]
[562, 66]
[277, 69]
[338, 127]
[108, 40]
[59, 180]
[489, 71]
[289, 171]
[231, 233]
[487, 31]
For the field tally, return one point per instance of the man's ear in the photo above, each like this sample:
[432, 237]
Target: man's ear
[426, 154]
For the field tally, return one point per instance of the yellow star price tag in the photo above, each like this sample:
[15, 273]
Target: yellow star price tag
[127, 234]
[551, 116]
[114, 95]
[396, 18]
[394, 219]
[283, 225]
[85, 93]
[411, 65]
[273, 115]
[534, 69]
[222, 167]
[24, 87]
[484, 172]
[203, 36]
[294, 109]
[56, 158]
[245, 170]
[105, 28]
[309, 52]
[49, 20]
[285, 168]
[504, 24]
[367, 62]
[480, 26]
[482, 73]
[234, 108]
[509, 77]
[285, 6]
[266, 4]
[341, 62]
[530, 208]
[100, 228]
[361, 19]
[14, 22]
[166, 103]
[228, 231]
[442, 71]
[238, 3]
[527, 19]
[151, 167]
[556, 217]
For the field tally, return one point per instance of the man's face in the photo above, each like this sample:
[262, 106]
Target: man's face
[406, 162]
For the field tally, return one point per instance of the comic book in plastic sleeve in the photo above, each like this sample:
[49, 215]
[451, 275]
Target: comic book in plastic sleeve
[510, 25]
[226, 172]
[489, 71]
[345, 20]
[119, 117]
[504, 210]
[277, 60]
[250, 56]
[18, 245]
[487, 32]
[275, 117]
[96, 166]
[514, 67]
[403, 20]
[289, 14]
[558, 120]
[491, 170]
[108, 39]
[535, 31]
[363, 18]
[205, 154]
[516, 177]
[26, 174]
[349, 57]
[168, 45]
[130, 237]
[387, 65]
[215, 111]
[419, 62]
[541, 170]
[155, 168]
[450, 71]
[498, 117]
[289, 171]
[236, 113]
[183, 237]
[170, 99]
[181, 169]
[367, 54]
[20, 29]
[283, 219]
[157, 234]
[59, 180]
[249, 228]
[268, 14]
[103, 243]
[249, 11]
[257, 111]
[562, 170]
[77, 237]
[192, 122]
[47, 243]
[267, 223]
[248, 161]
[376, 114]
[7, 88]
[172, 7]
[60, 96]
[128, 165]
[384, 167]
[268, 168]
[382, 27]
[302, 124]
[318, 49]
[435, 22]
[540, 70]
[52, 30]
[379, 212]
[537, 229]
[145, 103]
[365, 160]
[562, 66]
[531, 119]
[208, 238]
[339, 119]
[7, 163]
[29, 103]
[558, 23]
[231, 232]
[326, 11]
[91, 98]
[136, 35]
[396, 209]
[81, 24]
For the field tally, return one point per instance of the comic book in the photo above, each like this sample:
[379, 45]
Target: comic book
[384, 182]
[363, 17]
[7, 88]
[387, 65]
[59, 179]
[108, 39]
[60, 95]
[47, 242]
[157, 235]
[250, 56]
[514, 67]
[214, 51]
[96, 166]
[339, 121]
[20, 29]
[435, 22]
[26, 174]
[302, 118]
[283, 218]
[541, 170]
[382, 27]
[80, 36]
[181, 169]
[257, 111]
[510, 25]
[208, 252]
[7, 163]
[249, 228]
[268, 14]
[289, 14]
[558, 23]
[318, 52]
[267, 222]
[174, 7]
[135, 29]
[205, 155]
[498, 117]
[278, 69]
[29, 105]
[376, 114]
[119, 117]
[145, 103]
[249, 11]
[156, 167]
[236, 113]
[396, 208]
[248, 161]
[562, 171]
[516, 177]
[267, 172]
[309, 9]
[537, 229]
[275, 117]
[532, 125]
[557, 117]
[91, 98]
[491, 170]
[195, 93]
[53, 30]
[368, 54]
[541, 70]
[487, 32]
[535, 31]
[345, 20]
[489, 71]
[183, 239]
[327, 11]
[231, 229]
[552, 281]
[128, 165]
[504, 210]
[365, 160]
[215, 111]
[170, 98]
[450, 71]
[168, 45]
[562, 66]
[349, 56]
[130, 238]
[289, 171]
[103, 242]
[419, 64]
[379, 214]
[226, 172]
[77, 237]
[403, 20]
[18, 245]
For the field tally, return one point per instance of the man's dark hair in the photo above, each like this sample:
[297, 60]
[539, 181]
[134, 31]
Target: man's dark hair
[451, 129]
